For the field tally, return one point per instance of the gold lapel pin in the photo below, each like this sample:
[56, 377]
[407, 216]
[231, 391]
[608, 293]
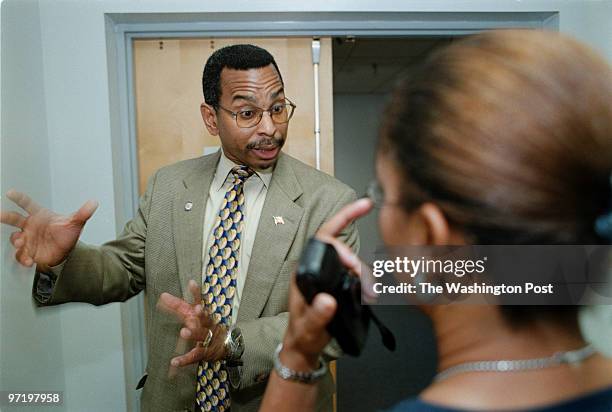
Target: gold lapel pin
[188, 206]
[278, 220]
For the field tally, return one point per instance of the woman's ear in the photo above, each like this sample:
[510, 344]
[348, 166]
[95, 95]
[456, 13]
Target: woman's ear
[438, 230]
[209, 115]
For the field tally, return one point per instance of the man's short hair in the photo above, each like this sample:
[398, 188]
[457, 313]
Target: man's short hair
[237, 57]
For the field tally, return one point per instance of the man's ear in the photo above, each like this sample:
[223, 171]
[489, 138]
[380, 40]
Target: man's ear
[209, 115]
[438, 230]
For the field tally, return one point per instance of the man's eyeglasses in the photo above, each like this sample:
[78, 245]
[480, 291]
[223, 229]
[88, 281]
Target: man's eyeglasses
[279, 113]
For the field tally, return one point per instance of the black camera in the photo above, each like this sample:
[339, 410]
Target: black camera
[320, 270]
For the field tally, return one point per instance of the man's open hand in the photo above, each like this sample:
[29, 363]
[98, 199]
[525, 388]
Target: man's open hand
[197, 322]
[45, 238]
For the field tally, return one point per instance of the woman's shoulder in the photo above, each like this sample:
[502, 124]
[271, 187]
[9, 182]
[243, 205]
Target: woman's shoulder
[417, 405]
[598, 401]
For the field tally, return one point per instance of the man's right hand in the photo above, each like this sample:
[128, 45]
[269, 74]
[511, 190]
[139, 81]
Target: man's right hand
[45, 238]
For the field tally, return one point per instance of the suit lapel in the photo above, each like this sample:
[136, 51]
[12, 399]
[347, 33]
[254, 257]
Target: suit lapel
[188, 224]
[272, 241]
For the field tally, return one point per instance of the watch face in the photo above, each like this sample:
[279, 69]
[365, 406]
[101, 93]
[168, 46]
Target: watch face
[237, 342]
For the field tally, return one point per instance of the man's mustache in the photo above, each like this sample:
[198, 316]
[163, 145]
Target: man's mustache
[267, 143]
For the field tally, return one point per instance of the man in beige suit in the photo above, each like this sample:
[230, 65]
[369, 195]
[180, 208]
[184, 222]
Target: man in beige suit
[165, 249]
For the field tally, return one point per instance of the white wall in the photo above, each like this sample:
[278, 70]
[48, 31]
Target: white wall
[31, 356]
[56, 145]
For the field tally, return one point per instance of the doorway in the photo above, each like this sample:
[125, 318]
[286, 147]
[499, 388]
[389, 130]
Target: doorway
[356, 76]
[122, 29]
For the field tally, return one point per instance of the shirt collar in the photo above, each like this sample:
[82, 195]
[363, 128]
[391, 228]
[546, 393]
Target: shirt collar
[224, 167]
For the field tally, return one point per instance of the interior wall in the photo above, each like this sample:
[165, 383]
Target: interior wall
[31, 356]
[74, 348]
[77, 130]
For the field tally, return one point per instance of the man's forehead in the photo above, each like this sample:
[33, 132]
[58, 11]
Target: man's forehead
[260, 78]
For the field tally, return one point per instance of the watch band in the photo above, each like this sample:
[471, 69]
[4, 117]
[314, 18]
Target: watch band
[289, 374]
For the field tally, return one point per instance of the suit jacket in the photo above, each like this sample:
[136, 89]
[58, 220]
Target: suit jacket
[160, 250]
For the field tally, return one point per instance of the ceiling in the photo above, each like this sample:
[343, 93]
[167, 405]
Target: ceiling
[372, 65]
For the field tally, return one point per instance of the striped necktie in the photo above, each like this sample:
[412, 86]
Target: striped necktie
[219, 288]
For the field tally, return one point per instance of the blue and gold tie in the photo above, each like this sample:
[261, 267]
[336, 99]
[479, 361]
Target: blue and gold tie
[219, 288]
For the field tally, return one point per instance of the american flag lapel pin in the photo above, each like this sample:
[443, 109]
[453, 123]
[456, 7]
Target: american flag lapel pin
[278, 220]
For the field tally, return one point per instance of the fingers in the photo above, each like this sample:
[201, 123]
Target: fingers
[345, 216]
[197, 325]
[82, 215]
[173, 305]
[315, 316]
[368, 295]
[17, 239]
[348, 258]
[334, 226]
[355, 266]
[198, 334]
[196, 292]
[320, 312]
[23, 201]
[13, 218]
[23, 257]
[195, 355]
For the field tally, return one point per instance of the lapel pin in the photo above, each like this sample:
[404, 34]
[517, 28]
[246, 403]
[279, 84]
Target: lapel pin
[188, 206]
[278, 220]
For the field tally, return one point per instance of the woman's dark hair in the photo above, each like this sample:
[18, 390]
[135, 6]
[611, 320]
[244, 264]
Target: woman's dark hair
[237, 57]
[509, 133]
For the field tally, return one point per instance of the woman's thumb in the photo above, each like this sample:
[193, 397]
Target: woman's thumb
[322, 310]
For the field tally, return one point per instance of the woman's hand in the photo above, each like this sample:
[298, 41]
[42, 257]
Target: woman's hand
[306, 334]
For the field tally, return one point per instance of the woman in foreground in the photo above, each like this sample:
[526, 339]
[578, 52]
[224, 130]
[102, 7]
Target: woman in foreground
[502, 138]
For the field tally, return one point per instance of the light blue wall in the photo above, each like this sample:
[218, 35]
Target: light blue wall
[31, 356]
[56, 145]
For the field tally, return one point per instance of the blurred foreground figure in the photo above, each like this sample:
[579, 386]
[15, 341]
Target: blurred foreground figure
[502, 138]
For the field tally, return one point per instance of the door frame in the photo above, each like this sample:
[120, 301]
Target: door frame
[123, 28]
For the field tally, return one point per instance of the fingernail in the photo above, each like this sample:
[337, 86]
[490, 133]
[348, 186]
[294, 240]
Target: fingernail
[174, 362]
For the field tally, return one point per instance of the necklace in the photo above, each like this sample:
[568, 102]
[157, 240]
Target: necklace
[559, 358]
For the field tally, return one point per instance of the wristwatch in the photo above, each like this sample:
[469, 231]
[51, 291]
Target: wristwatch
[234, 345]
[234, 348]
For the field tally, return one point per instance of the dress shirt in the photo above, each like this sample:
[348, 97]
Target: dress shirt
[255, 189]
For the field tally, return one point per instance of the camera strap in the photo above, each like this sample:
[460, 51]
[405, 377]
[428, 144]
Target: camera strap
[388, 339]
